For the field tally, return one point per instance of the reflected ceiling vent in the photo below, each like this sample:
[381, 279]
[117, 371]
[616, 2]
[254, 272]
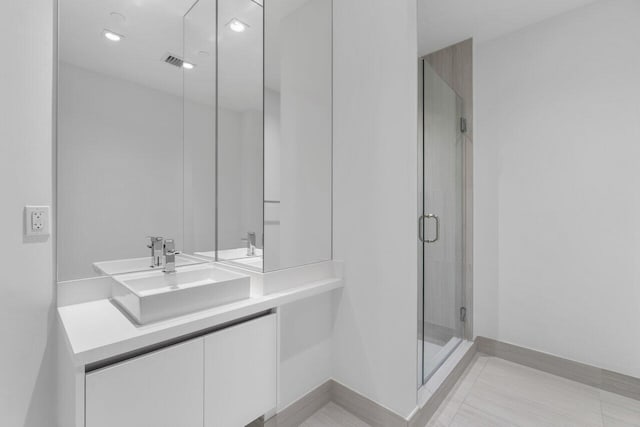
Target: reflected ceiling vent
[178, 62]
[173, 60]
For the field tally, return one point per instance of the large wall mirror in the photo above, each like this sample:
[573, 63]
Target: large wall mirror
[298, 133]
[204, 122]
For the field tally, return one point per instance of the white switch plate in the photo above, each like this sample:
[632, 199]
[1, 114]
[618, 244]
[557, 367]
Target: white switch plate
[36, 221]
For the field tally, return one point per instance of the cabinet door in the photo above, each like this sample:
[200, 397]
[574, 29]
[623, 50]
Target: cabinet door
[240, 373]
[161, 389]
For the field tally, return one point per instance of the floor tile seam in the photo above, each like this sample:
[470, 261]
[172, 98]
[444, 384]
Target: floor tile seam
[475, 380]
[489, 414]
[557, 411]
[449, 398]
[464, 398]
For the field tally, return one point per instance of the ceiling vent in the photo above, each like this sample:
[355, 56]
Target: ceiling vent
[174, 60]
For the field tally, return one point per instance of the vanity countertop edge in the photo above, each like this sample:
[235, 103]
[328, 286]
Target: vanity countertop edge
[97, 330]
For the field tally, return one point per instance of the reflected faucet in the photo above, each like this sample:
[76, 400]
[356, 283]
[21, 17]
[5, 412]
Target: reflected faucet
[156, 250]
[169, 252]
[251, 243]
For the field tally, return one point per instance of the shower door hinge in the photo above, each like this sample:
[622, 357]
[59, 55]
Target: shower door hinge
[463, 314]
[463, 125]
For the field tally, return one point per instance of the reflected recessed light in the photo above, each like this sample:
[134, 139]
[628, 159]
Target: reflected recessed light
[188, 65]
[237, 25]
[110, 35]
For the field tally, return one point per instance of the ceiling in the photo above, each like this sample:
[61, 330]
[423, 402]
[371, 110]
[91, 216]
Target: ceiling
[442, 23]
[184, 28]
[153, 28]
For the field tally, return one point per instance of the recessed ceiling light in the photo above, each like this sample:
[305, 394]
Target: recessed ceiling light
[110, 35]
[188, 65]
[237, 25]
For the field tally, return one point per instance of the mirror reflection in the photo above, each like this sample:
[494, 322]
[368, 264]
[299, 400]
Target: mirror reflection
[298, 133]
[193, 131]
[121, 151]
[240, 132]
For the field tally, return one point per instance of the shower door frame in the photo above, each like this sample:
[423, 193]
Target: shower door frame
[467, 225]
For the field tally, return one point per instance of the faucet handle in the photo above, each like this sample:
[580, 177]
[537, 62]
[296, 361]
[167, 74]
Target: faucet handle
[155, 242]
[169, 246]
[251, 237]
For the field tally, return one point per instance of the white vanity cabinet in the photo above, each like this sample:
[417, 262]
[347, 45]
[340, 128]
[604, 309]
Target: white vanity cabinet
[224, 379]
[159, 389]
[240, 373]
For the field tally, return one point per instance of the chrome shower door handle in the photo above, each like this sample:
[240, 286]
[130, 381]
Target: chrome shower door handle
[429, 216]
[421, 228]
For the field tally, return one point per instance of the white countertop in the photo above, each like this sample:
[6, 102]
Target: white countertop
[98, 330]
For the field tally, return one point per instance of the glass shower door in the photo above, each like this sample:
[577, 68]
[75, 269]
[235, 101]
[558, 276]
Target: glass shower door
[441, 221]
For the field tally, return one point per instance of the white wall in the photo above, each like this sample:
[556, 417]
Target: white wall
[26, 292]
[306, 331]
[375, 199]
[556, 186]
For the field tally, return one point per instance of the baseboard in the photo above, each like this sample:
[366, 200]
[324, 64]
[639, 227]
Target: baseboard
[604, 379]
[294, 414]
[379, 416]
[368, 410]
[364, 408]
[332, 391]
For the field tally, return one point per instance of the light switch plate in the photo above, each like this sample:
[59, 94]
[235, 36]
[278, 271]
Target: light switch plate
[36, 221]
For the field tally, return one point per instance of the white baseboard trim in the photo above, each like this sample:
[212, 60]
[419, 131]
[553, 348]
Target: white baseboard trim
[370, 411]
[604, 379]
[438, 387]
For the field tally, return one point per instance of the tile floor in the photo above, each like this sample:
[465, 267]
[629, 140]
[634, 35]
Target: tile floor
[497, 393]
[335, 416]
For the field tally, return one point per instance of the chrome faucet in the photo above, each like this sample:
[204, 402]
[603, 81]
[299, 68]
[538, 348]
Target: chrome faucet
[156, 250]
[251, 243]
[169, 252]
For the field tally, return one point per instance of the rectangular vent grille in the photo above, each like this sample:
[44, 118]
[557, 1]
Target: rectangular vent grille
[173, 60]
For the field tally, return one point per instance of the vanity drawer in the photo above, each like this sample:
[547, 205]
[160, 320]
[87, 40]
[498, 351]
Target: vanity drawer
[240, 373]
[163, 388]
[234, 367]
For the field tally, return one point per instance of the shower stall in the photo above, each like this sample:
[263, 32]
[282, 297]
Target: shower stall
[441, 221]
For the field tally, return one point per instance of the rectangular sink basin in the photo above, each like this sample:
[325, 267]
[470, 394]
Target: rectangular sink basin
[131, 265]
[153, 295]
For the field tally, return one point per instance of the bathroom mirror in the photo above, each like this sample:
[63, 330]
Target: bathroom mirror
[240, 132]
[208, 122]
[129, 125]
[298, 133]
[274, 133]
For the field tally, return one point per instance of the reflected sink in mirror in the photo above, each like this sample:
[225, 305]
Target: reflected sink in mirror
[237, 256]
[254, 262]
[226, 254]
[132, 265]
[153, 295]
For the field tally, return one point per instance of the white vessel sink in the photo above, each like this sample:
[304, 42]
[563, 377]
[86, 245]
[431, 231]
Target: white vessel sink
[131, 265]
[154, 295]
